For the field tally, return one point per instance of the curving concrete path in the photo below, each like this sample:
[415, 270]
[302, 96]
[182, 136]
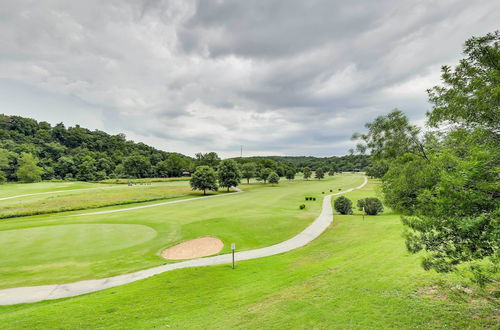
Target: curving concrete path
[56, 291]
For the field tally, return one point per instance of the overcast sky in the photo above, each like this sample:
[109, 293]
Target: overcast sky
[278, 77]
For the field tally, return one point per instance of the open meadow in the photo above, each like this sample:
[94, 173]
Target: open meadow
[356, 274]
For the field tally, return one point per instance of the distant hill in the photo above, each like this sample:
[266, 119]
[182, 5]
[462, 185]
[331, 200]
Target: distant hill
[79, 153]
[337, 163]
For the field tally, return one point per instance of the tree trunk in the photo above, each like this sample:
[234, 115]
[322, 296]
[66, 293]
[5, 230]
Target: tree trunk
[248, 180]
[204, 191]
[227, 189]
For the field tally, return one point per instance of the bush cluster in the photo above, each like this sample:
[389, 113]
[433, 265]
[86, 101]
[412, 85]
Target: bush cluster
[370, 205]
[343, 205]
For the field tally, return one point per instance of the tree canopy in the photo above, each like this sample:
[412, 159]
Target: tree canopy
[273, 178]
[319, 174]
[204, 178]
[28, 170]
[445, 181]
[229, 174]
[263, 174]
[79, 153]
[307, 172]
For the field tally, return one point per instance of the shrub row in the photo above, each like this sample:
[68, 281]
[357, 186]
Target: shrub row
[370, 205]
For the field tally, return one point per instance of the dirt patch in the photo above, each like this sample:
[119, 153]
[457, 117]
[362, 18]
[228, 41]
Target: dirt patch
[195, 248]
[432, 292]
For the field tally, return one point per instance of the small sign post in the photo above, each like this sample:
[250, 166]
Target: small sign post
[233, 247]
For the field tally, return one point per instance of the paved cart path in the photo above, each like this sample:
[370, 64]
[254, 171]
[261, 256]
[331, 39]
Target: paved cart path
[56, 291]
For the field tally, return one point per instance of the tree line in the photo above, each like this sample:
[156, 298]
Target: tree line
[31, 151]
[445, 180]
[347, 163]
[229, 173]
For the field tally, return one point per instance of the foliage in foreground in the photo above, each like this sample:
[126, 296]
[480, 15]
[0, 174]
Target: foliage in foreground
[446, 182]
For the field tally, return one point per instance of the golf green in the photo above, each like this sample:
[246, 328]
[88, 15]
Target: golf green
[69, 242]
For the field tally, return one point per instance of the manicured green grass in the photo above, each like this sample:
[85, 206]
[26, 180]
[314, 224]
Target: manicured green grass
[81, 196]
[355, 275]
[261, 216]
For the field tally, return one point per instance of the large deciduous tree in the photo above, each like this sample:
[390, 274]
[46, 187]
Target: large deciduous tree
[307, 172]
[469, 95]
[459, 220]
[228, 174]
[273, 178]
[248, 171]
[204, 178]
[319, 174]
[446, 184]
[264, 174]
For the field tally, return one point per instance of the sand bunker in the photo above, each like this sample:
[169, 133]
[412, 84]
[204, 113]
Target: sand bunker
[195, 248]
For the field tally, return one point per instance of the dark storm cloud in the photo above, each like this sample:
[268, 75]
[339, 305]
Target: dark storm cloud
[279, 77]
[276, 28]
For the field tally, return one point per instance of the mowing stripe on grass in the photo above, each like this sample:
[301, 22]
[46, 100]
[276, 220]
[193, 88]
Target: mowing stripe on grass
[238, 190]
[51, 192]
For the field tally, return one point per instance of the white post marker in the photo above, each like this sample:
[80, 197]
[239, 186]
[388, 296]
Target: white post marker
[233, 247]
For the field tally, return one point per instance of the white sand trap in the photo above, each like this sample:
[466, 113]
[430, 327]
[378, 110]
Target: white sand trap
[195, 248]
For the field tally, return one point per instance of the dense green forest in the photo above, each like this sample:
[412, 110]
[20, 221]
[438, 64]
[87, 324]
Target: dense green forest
[32, 151]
